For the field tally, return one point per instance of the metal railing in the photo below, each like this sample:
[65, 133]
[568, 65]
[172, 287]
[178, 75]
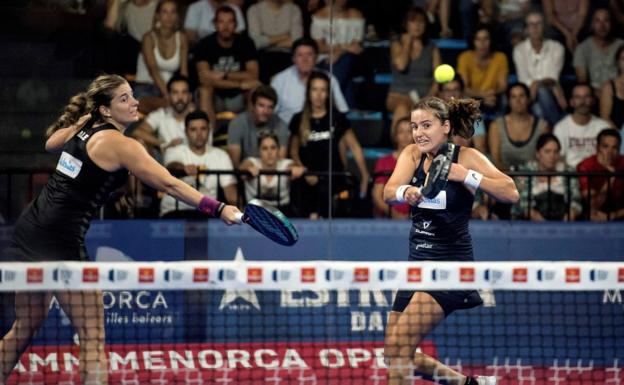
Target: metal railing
[19, 185]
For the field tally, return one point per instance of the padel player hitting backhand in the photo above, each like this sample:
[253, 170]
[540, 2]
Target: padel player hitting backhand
[95, 160]
[440, 213]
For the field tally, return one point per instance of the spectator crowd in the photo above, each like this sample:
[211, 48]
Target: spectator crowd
[251, 99]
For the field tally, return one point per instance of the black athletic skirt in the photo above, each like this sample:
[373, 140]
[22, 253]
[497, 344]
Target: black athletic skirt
[449, 301]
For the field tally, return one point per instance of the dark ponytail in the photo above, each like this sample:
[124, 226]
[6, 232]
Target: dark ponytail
[461, 113]
[99, 93]
[75, 108]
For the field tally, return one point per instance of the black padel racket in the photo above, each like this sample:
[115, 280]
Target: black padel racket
[269, 221]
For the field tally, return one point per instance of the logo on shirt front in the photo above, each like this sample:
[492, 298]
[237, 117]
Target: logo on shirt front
[69, 165]
[437, 203]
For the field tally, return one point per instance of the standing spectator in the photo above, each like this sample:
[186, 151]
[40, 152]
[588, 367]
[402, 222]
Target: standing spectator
[484, 71]
[512, 137]
[272, 188]
[189, 159]
[550, 196]
[226, 66]
[413, 58]
[577, 132]
[346, 32]
[273, 26]
[164, 52]
[402, 137]
[539, 62]
[606, 193]
[594, 58]
[566, 19]
[612, 95]
[290, 84]
[455, 90]
[244, 130]
[311, 135]
[201, 17]
[125, 24]
[163, 129]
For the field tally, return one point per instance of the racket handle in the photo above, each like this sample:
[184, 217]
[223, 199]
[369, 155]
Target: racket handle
[239, 217]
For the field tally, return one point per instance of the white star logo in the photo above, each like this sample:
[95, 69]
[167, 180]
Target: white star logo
[230, 296]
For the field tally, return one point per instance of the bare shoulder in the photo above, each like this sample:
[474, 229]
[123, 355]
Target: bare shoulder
[112, 139]
[412, 152]
[354, 13]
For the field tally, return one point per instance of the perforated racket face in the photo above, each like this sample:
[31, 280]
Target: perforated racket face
[270, 222]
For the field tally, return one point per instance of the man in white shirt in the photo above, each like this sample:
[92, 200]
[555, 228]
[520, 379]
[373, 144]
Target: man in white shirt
[163, 128]
[291, 83]
[199, 21]
[578, 131]
[538, 64]
[188, 160]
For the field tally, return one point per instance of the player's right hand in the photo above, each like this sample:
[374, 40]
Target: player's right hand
[413, 196]
[228, 215]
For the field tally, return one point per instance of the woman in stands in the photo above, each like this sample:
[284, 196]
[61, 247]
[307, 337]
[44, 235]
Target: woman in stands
[439, 232]
[95, 160]
[413, 58]
[311, 134]
[164, 52]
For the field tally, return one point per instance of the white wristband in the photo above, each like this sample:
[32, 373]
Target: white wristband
[473, 179]
[400, 192]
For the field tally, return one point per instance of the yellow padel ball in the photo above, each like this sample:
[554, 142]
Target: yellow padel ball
[444, 73]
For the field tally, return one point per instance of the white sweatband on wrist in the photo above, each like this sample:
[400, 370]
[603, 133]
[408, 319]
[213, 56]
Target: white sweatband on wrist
[473, 179]
[400, 192]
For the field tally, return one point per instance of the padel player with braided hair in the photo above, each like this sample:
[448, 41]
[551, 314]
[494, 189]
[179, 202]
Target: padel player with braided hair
[440, 213]
[95, 160]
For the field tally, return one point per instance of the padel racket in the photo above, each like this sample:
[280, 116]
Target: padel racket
[438, 171]
[269, 221]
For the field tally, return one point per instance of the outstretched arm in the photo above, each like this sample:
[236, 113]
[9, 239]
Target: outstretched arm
[111, 151]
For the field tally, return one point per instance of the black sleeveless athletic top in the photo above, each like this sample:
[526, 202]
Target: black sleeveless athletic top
[440, 225]
[54, 225]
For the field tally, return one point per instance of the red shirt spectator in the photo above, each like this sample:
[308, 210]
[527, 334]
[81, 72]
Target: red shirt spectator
[606, 193]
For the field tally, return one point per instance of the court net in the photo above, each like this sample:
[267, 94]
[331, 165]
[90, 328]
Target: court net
[315, 322]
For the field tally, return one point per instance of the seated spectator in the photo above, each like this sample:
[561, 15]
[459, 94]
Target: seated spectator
[512, 137]
[550, 197]
[290, 84]
[272, 188]
[164, 52]
[455, 90]
[612, 95]
[438, 16]
[606, 193]
[311, 133]
[273, 26]
[244, 130]
[200, 18]
[345, 32]
[566, 19]
[163, 129]
[484, 71]
[577, 132]
[538, 64]
[594, 58]
[188, 160]
[401, 136]
[414, 58]
[226, 65]
[510, 19]
[125, 24]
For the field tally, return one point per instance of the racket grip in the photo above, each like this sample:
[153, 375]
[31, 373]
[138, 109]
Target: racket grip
[239, 217]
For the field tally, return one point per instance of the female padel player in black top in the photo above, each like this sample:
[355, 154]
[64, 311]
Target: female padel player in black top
[95, 160]
[439, 232]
